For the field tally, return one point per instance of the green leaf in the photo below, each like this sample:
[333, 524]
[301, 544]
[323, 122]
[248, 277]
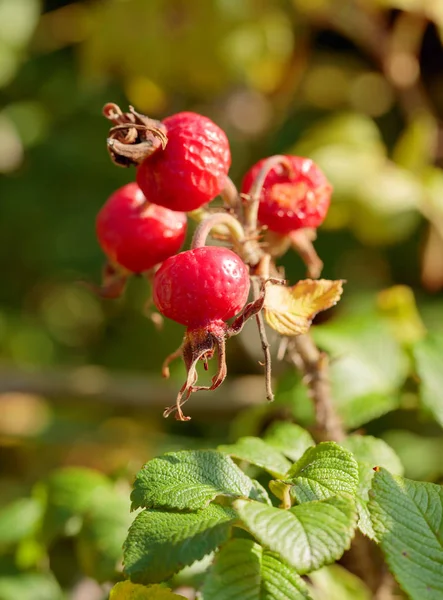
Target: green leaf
[189, 480]
[257, 452]
[336, 583]
[370, 452]
[70, 492]
[161, 543]
[30, 586]
[126, 590]
[19, 520]
[368, 367]
[243, 569]
[307, 536]
[408, 521]
[289, 439]
[99, 544]
[323, 471]
[428, 357]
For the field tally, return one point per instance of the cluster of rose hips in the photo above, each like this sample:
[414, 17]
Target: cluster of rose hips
[182, 164]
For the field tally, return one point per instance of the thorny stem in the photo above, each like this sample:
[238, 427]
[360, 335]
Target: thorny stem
[264, 341]
[253, 201]
[316, 370]
[204, 229]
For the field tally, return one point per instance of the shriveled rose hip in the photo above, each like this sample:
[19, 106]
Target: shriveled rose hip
[192, 169]
[291, 201]
[136, 234]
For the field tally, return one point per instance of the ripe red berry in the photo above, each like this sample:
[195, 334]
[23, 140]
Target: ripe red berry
[200, 287]
[191, 171]
[294, 200]
[136, 234]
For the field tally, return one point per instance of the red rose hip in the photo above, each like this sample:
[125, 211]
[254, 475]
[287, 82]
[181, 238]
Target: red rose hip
[291, 201]
[192, 169]
[202, 288]
[135, 234]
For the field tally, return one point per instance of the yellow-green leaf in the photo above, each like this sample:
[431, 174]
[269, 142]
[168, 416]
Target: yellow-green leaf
[126, 590]
[290, 310]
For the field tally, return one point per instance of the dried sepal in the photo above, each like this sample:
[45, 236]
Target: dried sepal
[200, 345]
[133, 137]
[290, 310]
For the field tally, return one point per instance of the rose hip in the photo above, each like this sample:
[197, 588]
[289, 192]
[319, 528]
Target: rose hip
[291, 200]
[135, 234]
[192, 169]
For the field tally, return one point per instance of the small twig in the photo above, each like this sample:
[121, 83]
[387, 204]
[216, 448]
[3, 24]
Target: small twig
[316, 369]
[264, 341]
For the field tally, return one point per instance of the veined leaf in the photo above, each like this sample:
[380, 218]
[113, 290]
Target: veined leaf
[243, 569]
[189, 480]
[408, 521]
[161, 543]
[290, 310]
[323, 471]
[257, 452]
[370, 452]
[307, 536]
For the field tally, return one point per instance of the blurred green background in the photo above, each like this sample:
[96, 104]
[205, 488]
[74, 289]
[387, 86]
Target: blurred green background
[355, 84]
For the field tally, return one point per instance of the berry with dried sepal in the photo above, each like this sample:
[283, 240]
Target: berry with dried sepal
[192, 169]
[203, 288]
[291, 199]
